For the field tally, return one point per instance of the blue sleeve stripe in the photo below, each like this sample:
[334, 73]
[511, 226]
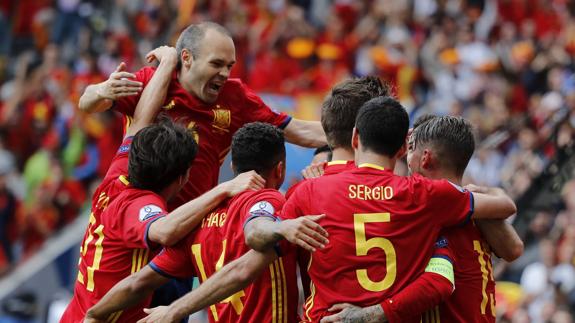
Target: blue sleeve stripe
[443, 257]
[148, 229]
[161, 272]
[471, 209]
[285, 123]
[253, 216]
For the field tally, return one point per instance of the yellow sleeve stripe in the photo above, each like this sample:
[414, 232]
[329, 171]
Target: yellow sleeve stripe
[309, 302]
[113, 318]
[279, 292]
[441, 266]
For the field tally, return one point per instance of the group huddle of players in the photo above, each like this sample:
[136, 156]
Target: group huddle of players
[370, 246]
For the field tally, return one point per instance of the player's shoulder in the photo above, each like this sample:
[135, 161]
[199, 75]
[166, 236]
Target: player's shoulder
[235, 85]
[263, 194]
[133, 198]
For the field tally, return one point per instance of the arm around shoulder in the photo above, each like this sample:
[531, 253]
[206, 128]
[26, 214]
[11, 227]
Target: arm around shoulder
[492, 203]
[305, 133]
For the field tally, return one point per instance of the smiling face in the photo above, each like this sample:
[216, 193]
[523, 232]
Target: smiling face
[205, 73]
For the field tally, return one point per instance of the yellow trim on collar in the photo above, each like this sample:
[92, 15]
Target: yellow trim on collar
[371, 166]
[337, 162]
[124, 180]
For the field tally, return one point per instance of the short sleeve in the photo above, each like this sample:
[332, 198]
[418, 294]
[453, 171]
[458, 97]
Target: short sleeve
[175, 261]
[137, 218]
[267, 203]
[450, 204]
[119, 165]
[257, 110]
[127, 105]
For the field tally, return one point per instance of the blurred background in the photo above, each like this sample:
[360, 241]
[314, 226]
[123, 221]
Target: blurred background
[505, 65]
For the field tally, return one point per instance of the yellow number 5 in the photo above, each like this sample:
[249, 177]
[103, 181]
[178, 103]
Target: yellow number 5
[362, 246]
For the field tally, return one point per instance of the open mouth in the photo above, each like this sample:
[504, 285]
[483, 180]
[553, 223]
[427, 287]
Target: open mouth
[215, 87]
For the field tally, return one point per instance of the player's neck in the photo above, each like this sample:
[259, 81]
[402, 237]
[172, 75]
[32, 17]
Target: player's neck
[342, 154]
[375, 159]
[185, 85]
[448, 176]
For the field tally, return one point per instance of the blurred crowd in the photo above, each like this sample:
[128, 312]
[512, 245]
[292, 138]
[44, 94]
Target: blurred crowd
[506, 65]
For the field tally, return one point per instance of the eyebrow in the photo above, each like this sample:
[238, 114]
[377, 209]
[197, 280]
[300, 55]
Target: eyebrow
[221, 61]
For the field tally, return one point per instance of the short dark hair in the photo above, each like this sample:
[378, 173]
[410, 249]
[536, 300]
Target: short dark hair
[339, 110]
[382, 124]
[191, 37]
[159, 154]
[257, 146]
[423, 119]
[450, 138]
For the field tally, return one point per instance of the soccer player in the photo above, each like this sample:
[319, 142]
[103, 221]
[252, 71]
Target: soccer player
[201, 95]
[128, 219]
[382, 226]
[220, 239]
[440, 148]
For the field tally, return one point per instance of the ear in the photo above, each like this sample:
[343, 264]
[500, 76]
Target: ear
[280, 169]
[355, 139]
[187, 58]
[232, 167]
[426, 159]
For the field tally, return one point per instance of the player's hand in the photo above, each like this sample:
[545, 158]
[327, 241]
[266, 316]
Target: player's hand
[351, 314]
[119, 84]
[313, 171]
[305, 232]
[245, 181]
[475, 188]
[163, 53]
[159, 314]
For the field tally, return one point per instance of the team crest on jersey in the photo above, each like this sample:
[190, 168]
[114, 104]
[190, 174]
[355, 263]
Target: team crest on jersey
[459, 188]
[222, 120]
[441, 242]
[170, 105]
[192, 126]
[262, 208]
[149, 211]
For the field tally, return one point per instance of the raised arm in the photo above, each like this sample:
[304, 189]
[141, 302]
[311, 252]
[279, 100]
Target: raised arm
[491, 203]
[128, 292]
[170, 229]
[305, 133]
[233, 277]
[155, 92]
[100, 97]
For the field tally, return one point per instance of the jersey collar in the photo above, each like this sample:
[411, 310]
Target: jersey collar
[368, 165]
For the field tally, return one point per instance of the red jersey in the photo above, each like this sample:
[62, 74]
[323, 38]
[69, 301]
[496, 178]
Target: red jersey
[329, 168]
[214, 125]
[473, 300]
[220, 239]
[379, 224]
[115, 244]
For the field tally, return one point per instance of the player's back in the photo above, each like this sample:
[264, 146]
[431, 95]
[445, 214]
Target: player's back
[272, 297]
[474, 297]
[382, 228]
